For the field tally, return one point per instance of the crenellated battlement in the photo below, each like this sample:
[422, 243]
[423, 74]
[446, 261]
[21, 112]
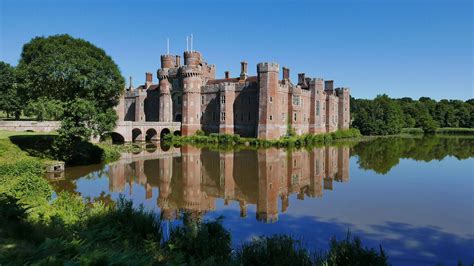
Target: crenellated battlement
[268, 67]
[190, 71]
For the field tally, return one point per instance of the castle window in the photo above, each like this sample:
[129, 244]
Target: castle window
[222, 116]
[271, 99]
[271, 117]
[296, 100]
[294, 117]
[223, 99]
[317, 108]
[202, 99]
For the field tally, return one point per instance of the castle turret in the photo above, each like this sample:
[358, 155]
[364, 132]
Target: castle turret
[318, 98]
[344, 97]
[192, 82]
[268, 126]
[331, 106]
[168, 61]
[166, 106]
[192, 58]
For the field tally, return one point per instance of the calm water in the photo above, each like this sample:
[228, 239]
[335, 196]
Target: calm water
[414, 196]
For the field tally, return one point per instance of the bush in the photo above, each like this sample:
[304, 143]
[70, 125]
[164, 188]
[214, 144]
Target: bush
[351, 252]
[199, 132]
[200, 243]
[274, 250]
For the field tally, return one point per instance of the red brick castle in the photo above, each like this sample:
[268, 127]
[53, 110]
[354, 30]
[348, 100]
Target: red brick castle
[262, 106]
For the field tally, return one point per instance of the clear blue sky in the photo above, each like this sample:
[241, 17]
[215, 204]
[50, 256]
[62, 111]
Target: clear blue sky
[398, 47]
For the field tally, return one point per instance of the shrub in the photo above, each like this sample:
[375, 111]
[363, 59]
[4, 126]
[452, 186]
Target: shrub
[199, 132]
[274, 250]
[201, 243]
[351, 252]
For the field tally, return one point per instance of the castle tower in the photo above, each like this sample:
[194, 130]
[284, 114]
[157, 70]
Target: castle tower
[191, 73]
[268, 127]
[344, 97]
[226, 102]
[317, 116]
[166, 106]
[331, 106]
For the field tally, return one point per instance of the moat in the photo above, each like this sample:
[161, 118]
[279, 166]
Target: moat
[413, 196]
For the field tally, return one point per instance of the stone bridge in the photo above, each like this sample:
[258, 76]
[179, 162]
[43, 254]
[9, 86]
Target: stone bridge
[127, 131]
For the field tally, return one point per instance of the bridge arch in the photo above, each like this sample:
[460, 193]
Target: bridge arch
[151, 134]
[164, 131]
[117, 137]
[137, 134]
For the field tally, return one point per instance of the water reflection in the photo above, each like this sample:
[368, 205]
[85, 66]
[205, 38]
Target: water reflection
[401, 210]
[191, 179]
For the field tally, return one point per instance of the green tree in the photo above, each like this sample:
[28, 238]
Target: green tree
[78, 74]
[9, 99]
[427, 123]
[382, 116]
[44, 109]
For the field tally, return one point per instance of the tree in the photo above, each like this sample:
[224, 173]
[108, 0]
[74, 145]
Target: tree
[44, 109]
[382, 116]
[427, 123]
[78, 74]
[9, 99]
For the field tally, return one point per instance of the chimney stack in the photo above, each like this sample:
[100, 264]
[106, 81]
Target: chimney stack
[329, 85]
[148, 80]
[178, 61]
[286, 73]
[227, 74]
[243, 70]
[301, 78]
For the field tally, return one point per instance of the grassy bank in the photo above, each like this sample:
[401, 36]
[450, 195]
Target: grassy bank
[36, 228]
[295, 141]
[40, 145]
[440, 131]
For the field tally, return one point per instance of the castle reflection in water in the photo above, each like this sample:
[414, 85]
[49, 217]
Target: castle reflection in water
[191, 179]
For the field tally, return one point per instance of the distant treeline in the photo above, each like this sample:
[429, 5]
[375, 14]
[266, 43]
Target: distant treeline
[382, 154]
[384, 115]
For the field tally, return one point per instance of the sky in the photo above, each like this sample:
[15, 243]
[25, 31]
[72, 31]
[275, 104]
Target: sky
[398, 47]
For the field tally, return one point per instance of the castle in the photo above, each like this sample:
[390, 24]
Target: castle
[262, 106]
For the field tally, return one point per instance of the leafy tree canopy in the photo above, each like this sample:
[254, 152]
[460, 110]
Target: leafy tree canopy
[80, 77]
[69, 70]
[9, 100]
